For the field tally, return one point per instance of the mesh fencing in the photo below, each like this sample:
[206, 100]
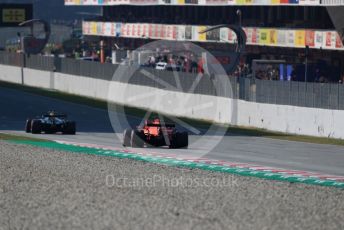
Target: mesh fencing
[315, 95]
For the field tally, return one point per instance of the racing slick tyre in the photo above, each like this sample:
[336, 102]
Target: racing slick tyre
[36, 126]
[180, 140]
[70, 128]
[127, 137]
[28, 126]
[137, 139]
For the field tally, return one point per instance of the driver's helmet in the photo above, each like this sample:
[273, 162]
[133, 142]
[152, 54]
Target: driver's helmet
[51, 113]
[156, 121]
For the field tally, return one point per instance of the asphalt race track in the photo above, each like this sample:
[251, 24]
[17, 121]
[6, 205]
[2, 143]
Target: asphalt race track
[94, 127]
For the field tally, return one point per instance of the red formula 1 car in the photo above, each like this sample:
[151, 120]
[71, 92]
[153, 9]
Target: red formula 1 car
[156, 134]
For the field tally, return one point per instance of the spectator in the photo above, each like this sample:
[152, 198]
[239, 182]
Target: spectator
[323, 79]
[317, 75]
[341, 80]
[293, 75]
[200, 66]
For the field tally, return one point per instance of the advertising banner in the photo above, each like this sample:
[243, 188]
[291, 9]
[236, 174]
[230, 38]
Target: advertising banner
[108, 29]
[118, 29]
[174, 32]
[281, 38]
[248, 32]
[134, 30]
[142, 2]
[150, 30]
[203, 36]
[290, 38]
[255, 36]
[300, 38]
[153, 31]
[248, 2]
[263, 36]
[93, 28]
[85, 27]
[124, 30]
[13, 14]
[262, 2]
[128, 29]
[293, 1]
[192, 2]
[181, 33]
[169, 32]
[194, 33]
[272, 37]
[216, 2]
[309, 2]
[339, 43]
[88, 2]
[213, 35]
[318, 39]
[158, 29]
[330, 39]
[113, 29]
[139, 30]
[162, 32]
[310, 38]
[224, 34]
[231, 36]
[188, 32]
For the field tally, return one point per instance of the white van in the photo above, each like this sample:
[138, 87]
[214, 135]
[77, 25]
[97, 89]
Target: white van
[161, 65]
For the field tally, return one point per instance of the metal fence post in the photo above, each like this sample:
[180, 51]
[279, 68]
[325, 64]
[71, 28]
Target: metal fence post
[23, 64]
[338, 98]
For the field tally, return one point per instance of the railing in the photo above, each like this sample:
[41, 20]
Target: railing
[315, 95]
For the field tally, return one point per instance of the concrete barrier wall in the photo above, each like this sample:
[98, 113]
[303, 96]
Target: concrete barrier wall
[38, 78]
[10, 74]
[197, 106]
[292, 119]
[84, 86]
[283, 118]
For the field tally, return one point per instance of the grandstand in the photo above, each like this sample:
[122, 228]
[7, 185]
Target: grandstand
[286, 30]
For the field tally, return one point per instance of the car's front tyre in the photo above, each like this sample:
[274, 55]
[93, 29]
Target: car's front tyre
[126, 137]
[28, 126]
[137, 139]
[36, 126]
[180, 140]
[70, 128]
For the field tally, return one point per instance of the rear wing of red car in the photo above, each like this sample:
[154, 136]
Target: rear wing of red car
[168, 125]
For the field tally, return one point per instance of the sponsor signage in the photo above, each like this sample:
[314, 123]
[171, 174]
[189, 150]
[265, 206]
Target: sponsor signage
[13, 14]
[295, 38]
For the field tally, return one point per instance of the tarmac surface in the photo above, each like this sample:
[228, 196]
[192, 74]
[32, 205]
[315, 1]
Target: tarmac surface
[94, 127]
[49, 189]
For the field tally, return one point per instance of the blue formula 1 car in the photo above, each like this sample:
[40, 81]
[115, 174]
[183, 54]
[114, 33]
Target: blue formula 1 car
[50, 122]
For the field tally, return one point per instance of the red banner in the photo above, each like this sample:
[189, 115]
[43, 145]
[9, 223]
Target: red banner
[328, 39]
[339, 43]
[310, 34]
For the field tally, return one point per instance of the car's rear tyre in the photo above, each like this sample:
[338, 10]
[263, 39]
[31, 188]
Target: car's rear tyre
[184, 140]
[127, 137]
[137, 139]
[28, 126]
[180, 140]
[70, 128]
[36, 126]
